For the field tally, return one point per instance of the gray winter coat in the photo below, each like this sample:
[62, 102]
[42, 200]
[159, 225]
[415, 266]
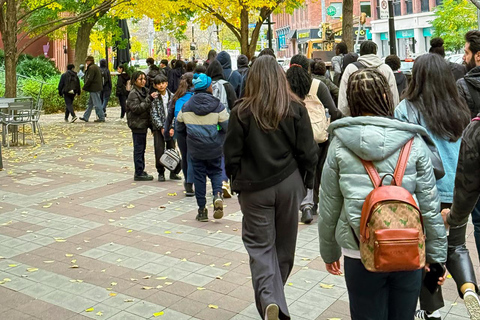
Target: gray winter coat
[345, 183]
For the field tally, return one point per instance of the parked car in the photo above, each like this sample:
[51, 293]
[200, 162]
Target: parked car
[455, 58]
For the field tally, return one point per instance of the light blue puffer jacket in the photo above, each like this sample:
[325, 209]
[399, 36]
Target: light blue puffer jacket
[345, 183]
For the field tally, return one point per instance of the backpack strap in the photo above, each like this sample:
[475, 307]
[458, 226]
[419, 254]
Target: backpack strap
[314, 87]
[372, 173]
[402, 162]
[476, 119]
[359, 65]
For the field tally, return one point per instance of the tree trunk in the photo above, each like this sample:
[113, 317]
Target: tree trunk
[347, 23]
[476, 3]
[10, 45]
[244, 45]
[83, 41]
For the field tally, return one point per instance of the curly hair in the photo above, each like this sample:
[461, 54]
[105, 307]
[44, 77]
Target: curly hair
[298, 76]
[393, 61]
[368, 92]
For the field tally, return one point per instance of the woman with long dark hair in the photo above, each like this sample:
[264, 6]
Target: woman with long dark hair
[270, 156]
[175, 75]
[371, 134]
[301, 81]
[183, 94]
[432, 101]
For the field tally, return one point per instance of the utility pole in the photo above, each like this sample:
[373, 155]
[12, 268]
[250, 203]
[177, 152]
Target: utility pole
[269, 32]
[392, 37]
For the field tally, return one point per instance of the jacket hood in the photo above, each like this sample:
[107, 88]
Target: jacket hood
[203, 103]
[473, 77]
[215, 70]
[71, 72]
[103, 63]
[370, 60]
[242, 61]
[374, 138]
[225, 60]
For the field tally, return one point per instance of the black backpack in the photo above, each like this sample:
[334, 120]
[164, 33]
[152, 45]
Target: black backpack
[71, 83]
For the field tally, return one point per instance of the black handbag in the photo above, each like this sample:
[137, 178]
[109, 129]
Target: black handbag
[414, 117]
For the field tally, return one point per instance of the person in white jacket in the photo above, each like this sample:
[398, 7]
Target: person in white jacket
[368, 59]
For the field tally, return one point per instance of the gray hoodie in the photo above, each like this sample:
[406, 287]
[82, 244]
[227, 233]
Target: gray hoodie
[369, 61]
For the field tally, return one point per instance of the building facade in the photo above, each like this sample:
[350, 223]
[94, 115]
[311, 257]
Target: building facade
[293, 31]
[413, 25]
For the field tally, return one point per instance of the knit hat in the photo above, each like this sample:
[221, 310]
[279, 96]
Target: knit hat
[201, 81]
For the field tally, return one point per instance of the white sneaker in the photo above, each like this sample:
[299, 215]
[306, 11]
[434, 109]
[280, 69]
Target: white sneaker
[472, 302]
[227, 192]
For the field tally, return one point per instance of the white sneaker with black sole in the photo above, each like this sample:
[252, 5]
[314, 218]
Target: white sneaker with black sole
[472, 302]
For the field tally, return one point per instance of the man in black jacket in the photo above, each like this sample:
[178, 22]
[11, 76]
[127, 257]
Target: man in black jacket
[93, 85]
[469, 86]
[68, 87]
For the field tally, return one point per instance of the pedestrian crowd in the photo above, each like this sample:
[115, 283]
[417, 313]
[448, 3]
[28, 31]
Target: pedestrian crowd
[389, 165]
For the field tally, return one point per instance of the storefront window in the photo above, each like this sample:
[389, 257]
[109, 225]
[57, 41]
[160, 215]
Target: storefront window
[339, 7]
[425, 5]
[366, 8]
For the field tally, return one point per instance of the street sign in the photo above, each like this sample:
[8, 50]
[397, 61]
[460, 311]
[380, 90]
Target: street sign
[384, 9]
[331, 11]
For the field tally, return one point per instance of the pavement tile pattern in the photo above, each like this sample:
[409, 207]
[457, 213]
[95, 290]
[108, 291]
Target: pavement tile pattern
[79, 239]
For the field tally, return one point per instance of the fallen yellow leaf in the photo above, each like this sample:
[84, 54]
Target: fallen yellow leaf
[68, 255]
[129, 231]
[158, 314]
[147, 288]
[12, 265]
[112, 294]
[32, 269]
[48, 205]
[74, 266]
[130, 206]
[161, 278]
[110, 211]
[168, 283]
[290, 284]
[227, 264]
[113, 284]
[99, 313]
[49, 261]
[128, 300]
[326, 286]
[147, 277]
[449, 276]
[200, 288]
[89, 310]
[168, 232]
[212, 306]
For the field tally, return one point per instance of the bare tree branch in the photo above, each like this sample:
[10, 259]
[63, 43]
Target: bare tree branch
[235, 30]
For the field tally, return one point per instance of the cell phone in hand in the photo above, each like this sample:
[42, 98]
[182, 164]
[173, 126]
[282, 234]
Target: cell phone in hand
[437, 270]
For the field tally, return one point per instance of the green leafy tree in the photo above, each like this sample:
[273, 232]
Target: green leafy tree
[452, 20]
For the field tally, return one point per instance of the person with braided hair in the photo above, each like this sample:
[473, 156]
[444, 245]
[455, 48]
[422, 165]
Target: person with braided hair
[372, 134]
[300, 81]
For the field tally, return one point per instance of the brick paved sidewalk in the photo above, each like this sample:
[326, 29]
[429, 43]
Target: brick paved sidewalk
[80, 239]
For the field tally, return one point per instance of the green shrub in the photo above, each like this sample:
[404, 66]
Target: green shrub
[38, 67]
[2, 58]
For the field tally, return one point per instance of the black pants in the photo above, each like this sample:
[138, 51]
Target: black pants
[381, 295]
[160, 145]
[69, 105]
[269, 233]
[123, 104]
[322, 156]
[458, 264]
[139, 145]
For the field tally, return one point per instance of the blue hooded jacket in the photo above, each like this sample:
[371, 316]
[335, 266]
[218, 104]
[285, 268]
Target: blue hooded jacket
[203, 122]
[232, 76]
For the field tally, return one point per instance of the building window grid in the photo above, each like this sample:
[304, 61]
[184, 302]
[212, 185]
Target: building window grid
[425, 5]
[409, 6]
[397, 8]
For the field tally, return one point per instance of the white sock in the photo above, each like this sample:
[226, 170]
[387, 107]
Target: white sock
[436, 313]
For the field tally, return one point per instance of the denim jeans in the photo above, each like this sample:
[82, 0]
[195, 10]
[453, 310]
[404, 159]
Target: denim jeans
[139, 145]
[201, 169]
[94, 100]
[476, 225]
[105, 97]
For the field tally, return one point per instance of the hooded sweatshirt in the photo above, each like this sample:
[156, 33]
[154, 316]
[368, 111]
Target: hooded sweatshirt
[345, 184]
[469, 89]
[215, 72]
[106, 77]
[242, 65]
[203, 122]
[369, 61]
[230, 75]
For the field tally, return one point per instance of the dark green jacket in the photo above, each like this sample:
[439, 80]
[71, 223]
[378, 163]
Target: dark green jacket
[330, 85]
[93, 79]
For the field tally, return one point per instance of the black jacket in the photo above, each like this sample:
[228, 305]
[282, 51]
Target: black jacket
[242, 65]
[330, 85]
[69, 81]
[106, 76]
[121, 89]
[93, 79]
[256, 160]
[153, 71]
[401, 80]
[215, 72]
[458, 70]
[174, 79]
[471, 81]
[139, 103]
[232, 76]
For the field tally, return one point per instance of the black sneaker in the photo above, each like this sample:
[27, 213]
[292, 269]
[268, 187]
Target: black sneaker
[315, 209]
[307, 215]
[66, 120]
[189, 192]
[83, 119]
[161, 177]
[202, 215]
[74, 119]
[218, 206]
[174, 176]
[99, 120]
[424, 315]
[143, 177]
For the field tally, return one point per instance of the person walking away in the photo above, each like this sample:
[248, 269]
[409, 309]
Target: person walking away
[224, 91]
[341, 50]
[152, 72]
[301, 83]
[212, 55]
[368, 59]
[432, 101]
[242, 65]
[458, 70]
[121, 90]
[164, 67]
[271, 183]
[370, 134]
[158, 114]
[318, 72]
[203, 122]
[184, 92]
[81, 72]
[393, 61]
[232, 76]
[107, 85]
[191, 65]
[175, 75]
[68, 87]
[139, 103]
[94, 85]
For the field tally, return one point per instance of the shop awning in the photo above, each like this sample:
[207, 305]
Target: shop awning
[292, 34]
